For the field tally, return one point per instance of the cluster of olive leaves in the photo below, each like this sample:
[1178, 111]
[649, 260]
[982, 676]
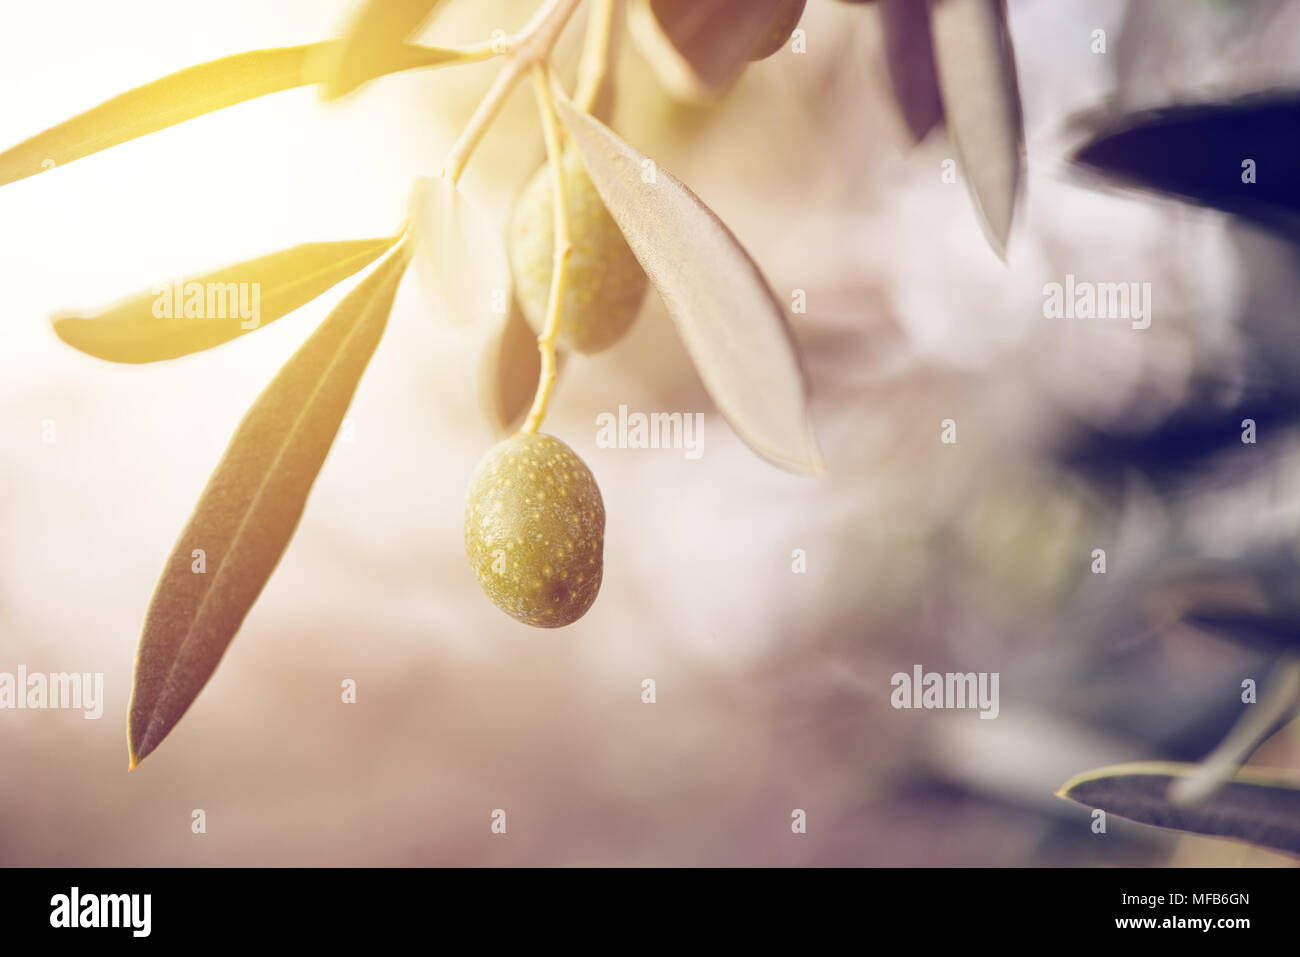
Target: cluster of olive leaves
[253, 501]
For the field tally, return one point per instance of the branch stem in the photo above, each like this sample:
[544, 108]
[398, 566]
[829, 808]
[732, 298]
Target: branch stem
[563, 250]
[524, 50]
[594, 66]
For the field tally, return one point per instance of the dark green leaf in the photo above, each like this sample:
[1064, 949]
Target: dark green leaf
[154, 325]
[250, 508]
[1197, 152]
[1254, 806]
[182, 96]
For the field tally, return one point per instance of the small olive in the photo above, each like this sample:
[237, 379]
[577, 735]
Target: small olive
[535, 530]
[604, 282]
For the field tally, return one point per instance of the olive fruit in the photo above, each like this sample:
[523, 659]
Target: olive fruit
[535, 530]
[604, 284]
[779, 28]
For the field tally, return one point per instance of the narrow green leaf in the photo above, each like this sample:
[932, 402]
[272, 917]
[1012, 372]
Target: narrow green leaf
[188, 315]
[981, 100]
[1259, 807]
[184, 95]
[250, 508]
[1182, 149]
[726, 314]
[374, 39]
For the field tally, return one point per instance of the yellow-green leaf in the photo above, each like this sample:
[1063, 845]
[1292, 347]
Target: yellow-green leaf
[188, 315]
[184, 95]
[373, 40]
[1259, 807]
[250, 508]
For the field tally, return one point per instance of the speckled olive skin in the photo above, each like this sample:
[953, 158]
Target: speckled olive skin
[604, 285]
[535, 530]
[782, 25]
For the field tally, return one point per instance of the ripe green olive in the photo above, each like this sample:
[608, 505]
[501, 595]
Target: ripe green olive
[604, 284]
[535, 530]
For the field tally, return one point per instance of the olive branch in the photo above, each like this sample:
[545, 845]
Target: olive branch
[250, 508]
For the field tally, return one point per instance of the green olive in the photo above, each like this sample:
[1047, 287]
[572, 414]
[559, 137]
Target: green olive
[535, 530]
[604, 282]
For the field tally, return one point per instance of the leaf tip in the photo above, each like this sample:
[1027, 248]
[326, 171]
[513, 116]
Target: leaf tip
[1065, 791]
[66, 326]
[998, 242]
[816, 464]
[811, 463]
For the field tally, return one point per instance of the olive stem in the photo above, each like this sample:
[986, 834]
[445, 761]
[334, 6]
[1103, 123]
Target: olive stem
[563, 250]
[476, 52]
[529, 47]
[487, 110]
[593, 69]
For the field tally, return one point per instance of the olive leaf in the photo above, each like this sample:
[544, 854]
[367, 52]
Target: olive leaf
[981, 99]
[250, 508]
[1241, 156]
[909, 55]
[725, 312]
[459, 255]
[373, 41]
[184, 95]
[185, 316]
[1259, 807]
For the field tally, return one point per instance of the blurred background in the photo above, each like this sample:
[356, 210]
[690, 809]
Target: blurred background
[772, 687]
